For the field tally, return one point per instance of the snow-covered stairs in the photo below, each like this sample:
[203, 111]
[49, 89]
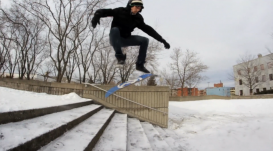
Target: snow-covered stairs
[84, 127]
[85, 135]
[115, 135]
[7, 117]
[137, 139]
[33, 133]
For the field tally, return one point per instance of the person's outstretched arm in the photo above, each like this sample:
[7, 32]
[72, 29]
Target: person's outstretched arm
[150, 31]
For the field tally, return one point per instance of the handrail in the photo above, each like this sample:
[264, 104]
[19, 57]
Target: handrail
[127, 99]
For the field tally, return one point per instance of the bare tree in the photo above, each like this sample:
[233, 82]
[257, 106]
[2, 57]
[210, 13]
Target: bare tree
[248, 71]
[127, 70]
[66, 22]
[169, 79]
[71, 67]
[153, 50]
[107, 65]
[188, 67]
[94, 70]
[9, 54]
[27, 39]
[3, 55]
[96, 39]
[46, 70]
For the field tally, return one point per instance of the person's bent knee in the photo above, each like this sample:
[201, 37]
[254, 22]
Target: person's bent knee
[145, 41]
[114, 30]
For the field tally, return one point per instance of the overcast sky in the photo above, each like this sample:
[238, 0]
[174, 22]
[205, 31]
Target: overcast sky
[219, 30]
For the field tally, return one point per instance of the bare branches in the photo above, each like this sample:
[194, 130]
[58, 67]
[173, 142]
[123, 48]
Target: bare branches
[248, 71]
[24, 31]
[67, 23]
[188, 67]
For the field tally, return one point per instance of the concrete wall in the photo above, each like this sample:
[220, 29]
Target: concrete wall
[149, 103]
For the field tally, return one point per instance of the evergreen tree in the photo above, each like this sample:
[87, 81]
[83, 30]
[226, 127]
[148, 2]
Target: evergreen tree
[151, 81]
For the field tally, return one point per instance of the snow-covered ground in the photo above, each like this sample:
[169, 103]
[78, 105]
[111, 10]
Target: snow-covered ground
[14, 100]
[210, 125]
[224, 125]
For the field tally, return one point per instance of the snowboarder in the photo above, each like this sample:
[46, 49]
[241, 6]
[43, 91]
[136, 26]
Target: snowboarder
[124, 22]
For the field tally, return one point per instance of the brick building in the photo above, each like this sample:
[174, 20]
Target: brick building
[188, 92]
[218, 85]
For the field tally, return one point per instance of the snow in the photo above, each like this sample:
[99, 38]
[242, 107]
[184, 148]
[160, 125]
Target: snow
[116, 130]
[26, 130]
[15, 100]
[137, 140]
[172, 142]
[82, 134]
[226, 125]
[209, 125]
[157, 143]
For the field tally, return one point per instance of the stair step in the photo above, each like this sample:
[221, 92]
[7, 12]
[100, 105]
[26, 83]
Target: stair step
[33, 133]
[137, 140]
[84, 136]
[157, 143]
[15, 116]
[170, 141]
[115, 135]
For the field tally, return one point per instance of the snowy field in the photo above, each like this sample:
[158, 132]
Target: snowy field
[224, 125]
[210, 125]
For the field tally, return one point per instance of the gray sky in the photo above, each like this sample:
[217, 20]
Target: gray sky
[219, 30]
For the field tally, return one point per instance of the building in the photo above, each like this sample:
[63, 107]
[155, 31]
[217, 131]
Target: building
[218, 85]
[232, 91]
[202, 93]
[260, 71]
[188, 92]
[221, 91]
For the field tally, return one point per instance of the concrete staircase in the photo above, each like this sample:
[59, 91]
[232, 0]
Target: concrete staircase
[80, 127]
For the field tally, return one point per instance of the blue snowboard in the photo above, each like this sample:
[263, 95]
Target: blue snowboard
[125, 84]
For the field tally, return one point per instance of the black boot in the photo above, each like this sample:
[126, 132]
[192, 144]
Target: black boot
[140, 67]
[121, 59]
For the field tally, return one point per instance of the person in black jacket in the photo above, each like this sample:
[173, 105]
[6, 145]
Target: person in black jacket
[125, 20]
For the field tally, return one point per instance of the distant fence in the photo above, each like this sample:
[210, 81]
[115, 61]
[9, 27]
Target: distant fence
[149, 103]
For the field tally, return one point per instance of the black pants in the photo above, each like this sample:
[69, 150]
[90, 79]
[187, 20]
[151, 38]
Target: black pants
[117, 42]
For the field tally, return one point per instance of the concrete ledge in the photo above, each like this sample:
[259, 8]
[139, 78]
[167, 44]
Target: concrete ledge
[38, 142]
[16, 116]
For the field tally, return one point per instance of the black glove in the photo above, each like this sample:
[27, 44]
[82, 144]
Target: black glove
[95, 21]
[166, 45]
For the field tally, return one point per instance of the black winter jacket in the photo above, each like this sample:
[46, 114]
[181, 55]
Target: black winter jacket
[126, 22]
